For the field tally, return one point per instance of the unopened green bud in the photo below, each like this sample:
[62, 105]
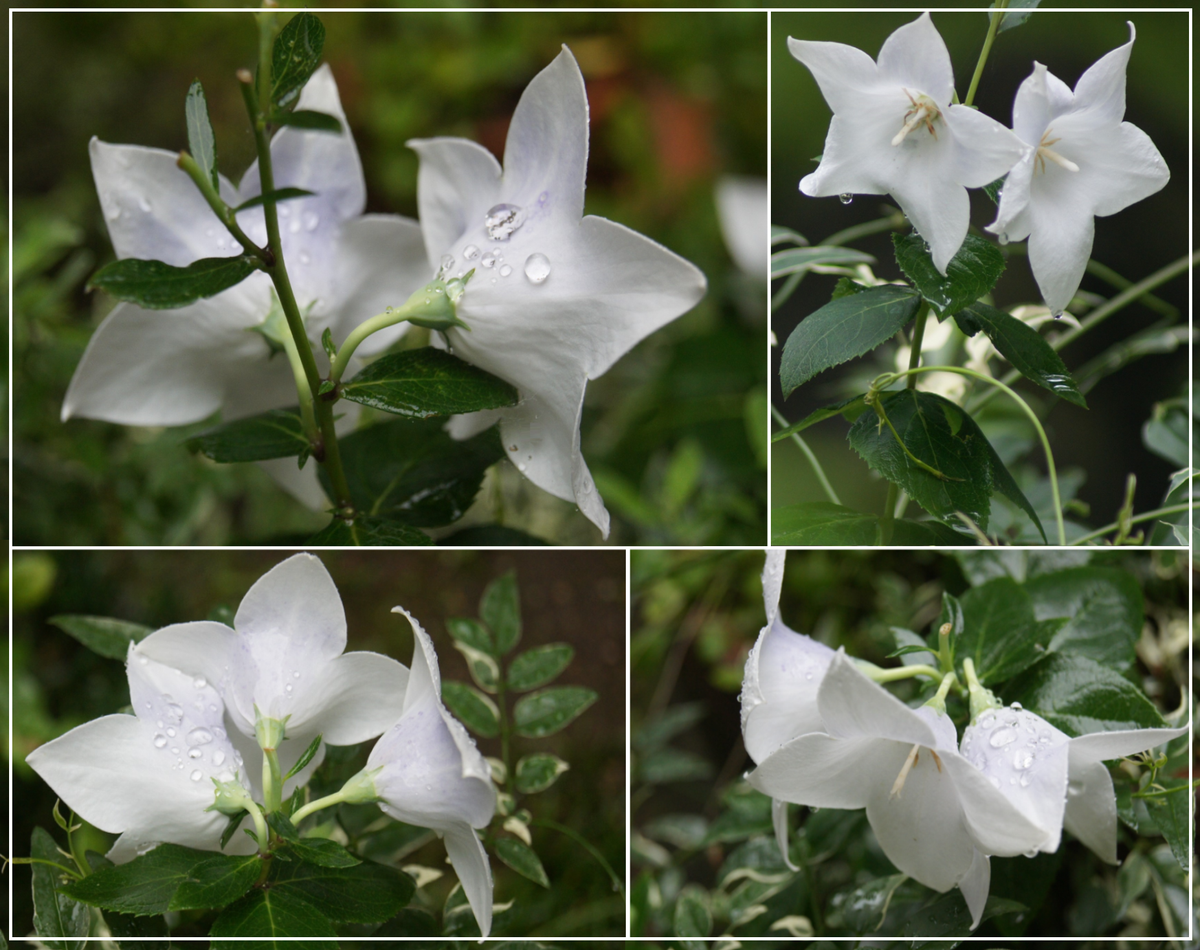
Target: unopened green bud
[232, 798]
[434, 306]
[361, 787]
[269, 732]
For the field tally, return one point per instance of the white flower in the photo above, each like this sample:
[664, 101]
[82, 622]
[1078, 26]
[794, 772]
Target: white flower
[433, 776]
[935, 815]
[149, 777]
[159, 368]
[743, 209]
[557, 298]
[1055, 780]
[894, 131]
[1083, 162]
[285, 660]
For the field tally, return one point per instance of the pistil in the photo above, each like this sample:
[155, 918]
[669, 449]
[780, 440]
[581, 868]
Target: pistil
[1045, 152]
[924, 111]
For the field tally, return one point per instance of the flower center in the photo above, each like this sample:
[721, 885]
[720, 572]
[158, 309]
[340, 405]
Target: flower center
[924, 112]
[914, 755]
[1046, 153]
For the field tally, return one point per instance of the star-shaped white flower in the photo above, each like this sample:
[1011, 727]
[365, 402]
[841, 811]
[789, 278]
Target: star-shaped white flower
[284, 660]
[743, 209]
[434, 777]
[894, 131]
[935, 815]
[149, 777]
[156, 368]
[557, 297]
[1083, 162]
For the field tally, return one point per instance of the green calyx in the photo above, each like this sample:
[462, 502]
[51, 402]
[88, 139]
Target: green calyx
[434, 306]
[231, 798]
[981, 698]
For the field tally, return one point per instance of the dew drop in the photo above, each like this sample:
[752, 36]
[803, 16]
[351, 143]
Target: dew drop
[171, 733]
[218, 757]
[143, 660]
[1024, 780]
[295, 674]
[987, 721]
[489, 259]
[218, 731]
[1003, 237]
[197, 775]
[199, 682]
[1002, 737]
[199, 736]
[305, 258]
[447, 264]
[294, 227]
[502, 220]
[1057, 314]
[143, 203]
[537, 268]
[1017, 706]
[1023, 759]
[310, 219]
[195, 753]
[114, 211]
[846, 198]
[505, 270]
[288, 688]
[470, 252]
[160, 741]
[225, 776]
[175, 711]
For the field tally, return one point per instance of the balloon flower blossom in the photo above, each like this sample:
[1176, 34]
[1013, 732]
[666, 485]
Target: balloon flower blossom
[556, 297]
[894, 131]
[161, 368]
[1082, 162]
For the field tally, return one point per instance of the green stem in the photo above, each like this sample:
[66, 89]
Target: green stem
[880, 675]
[50, 864]
[260, 824]
[962, 371]
[867, 228]
[76, 853]
[1166, 791]
[219, 207]
[315, 806]
[272, 785]
[888, 522]
[376, 323]
[914, 356]
[993, 26]
[585, 844]
[505, 730]
[1145, 516]
[808, 454]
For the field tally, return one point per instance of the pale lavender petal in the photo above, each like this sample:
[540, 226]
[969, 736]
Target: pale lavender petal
[852, 705]
[823, 772]
[348, 699]
[1101, 89]
[457, 182]
[779, 818]
[1091, 813]
[470, 861]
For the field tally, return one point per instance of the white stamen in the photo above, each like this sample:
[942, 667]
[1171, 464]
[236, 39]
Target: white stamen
[909, 762]
[1045, 152]
[917, 118]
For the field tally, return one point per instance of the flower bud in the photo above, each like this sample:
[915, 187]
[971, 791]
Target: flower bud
[361, 787]
[231, 797]
[434, 305]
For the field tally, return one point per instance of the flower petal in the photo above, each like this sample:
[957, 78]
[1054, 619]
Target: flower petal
[772, 582]
[822, 772]
[349, 699]
[470, 861]
[1091, 813]
[994, 823]
[984, 149]
[457, 182]
[743, 209]
[1101, 89]
[975, 886]
[779, 818]
[939, 210]
[1060, 240]
[1099, 746]
[853, 706]
[1013, 219]
[1118, 171]
[915, 56]
[842, 72]
[154, 211]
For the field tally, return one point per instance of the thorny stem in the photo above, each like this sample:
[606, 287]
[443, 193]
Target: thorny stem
[993, 26]
[812, 458]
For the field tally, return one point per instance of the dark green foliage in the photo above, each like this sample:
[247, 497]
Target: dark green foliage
[158, 286]
[971, 273]
[276, 434]
[427, 382]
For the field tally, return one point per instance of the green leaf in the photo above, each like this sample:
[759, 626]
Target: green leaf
[1006, 485]
[305, 758]
[779, 234]
[545, 713]
[673, 765]
[276, 434]
[477, 712]
[536, 773]
[850, 409]
[278, 195]
[1022, 346]
[911, 648]
[295, 57]
[821, 523]
[971, 273]
[1166, 432]
[500, 609]
[231, 827]
[539, 666]
[490, 536]
[412, 471]
[104, 635]
[1001, 634]
[275, 912]
[218, 881]
[1173, 815]
[146, 884]
[201, 141]
[369, 532]
[319, 851]
[472, 633]
[660, 729]
[427, 382]
[797, 259]
[1078, 696]
[124, 926]
[158, 286]
[1104, 612]
[522, 859]
[364, 894]
[843, 329]
[1017, 12]
[485, 671]
[309, 120]
[692, 915]
[55, 914]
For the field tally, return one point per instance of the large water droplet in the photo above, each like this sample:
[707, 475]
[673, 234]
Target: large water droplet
[199, 682]
[846, 198]
[218, 757]
[1003, 238]
[199, 736]
[194, 753]
[1023, 759]
[160, 741]
[310, 219]
[470, 252]
[502, 220]
[197, 775]
[505, 270]
[1017, 706]
[537, 268]
[1002, 737]
[175, 711]
[490, 259]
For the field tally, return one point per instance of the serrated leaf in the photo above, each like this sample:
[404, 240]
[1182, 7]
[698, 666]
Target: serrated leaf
[1022, 346]
[220, 880]
[850, 409]
[824, 523]
[693, 918]
[158, 286]
[472, 633]
[971, 273]
[295, 56]
[278, 195]
[146, 884]
[364, 894]
[843, 329]
[539, 666]
[369, 532]
[1001, 634]
[500, 609]
[427, 382]
[201, 141]
[475, 710]
[58, 920]
[1173, 815]
[536, 773]
[522, 859]
[103, 635]
[1104, 612]
[797, 259]
[413, 471]
[276, 434]
[546, 712]
[309, 120]
[1078, 696]
[319, 851]
[275, 912]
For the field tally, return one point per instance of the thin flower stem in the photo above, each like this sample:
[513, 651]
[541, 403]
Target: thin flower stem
[808, 454]
[1166, 791]
[219, 207]
[914, 356]
[260, 824]
[374, 324]
[272, 791]
[50, 864]
[962, 371]
[880, 675]
[76, 851]
[315, 806]
[1145, 516]
[993, 26]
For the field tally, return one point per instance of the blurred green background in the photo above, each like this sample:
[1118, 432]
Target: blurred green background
[572, 596]
[1102, 443]
[675, 433]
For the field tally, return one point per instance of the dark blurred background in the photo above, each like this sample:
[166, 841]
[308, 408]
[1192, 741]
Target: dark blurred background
[1103, 441]
[675, 433]
[573, 596]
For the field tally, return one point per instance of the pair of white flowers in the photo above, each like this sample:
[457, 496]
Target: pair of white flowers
[825, 735]
[556, 299]
[199, 689]
[1069, 157]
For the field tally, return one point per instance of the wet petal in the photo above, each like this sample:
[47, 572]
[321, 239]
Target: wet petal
[1091, 813]
[823, 772]
[779, 818]
[853, 706]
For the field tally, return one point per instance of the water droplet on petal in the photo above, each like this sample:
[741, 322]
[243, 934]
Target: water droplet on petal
[199, 682]
[846, 198]
[114, 210]
[295, 674]
[502, 220]
[218, 731]
[310, 219]
[1024, 780]
[1023, 759]
[987, 721]
[305, 258]
[160, 741]
[1057, 314]
[197, 775]
[537, 268]
[1003, 238]
[1002, 737]
[288, 688]
[1017, 706]
[199, 736]
[194, 753]
[489, 259]
[143, 203]
[175, 711]
[171, 733]
[505, 270]
[218, 757]
[294, 227]
[470, 252]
